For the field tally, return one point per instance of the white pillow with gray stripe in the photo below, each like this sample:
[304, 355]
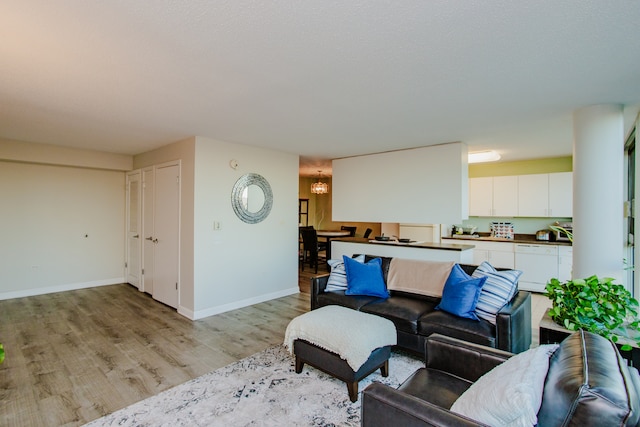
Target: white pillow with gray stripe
[338, 276]
[497, 291]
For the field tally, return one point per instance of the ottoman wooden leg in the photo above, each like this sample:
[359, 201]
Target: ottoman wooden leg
[299, 365]
[352, 387]
[384, 369]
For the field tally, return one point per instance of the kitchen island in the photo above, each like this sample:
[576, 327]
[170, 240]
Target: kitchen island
[460, 253]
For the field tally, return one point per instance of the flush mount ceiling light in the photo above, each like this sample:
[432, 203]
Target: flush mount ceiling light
[483, 156]
[319, 187]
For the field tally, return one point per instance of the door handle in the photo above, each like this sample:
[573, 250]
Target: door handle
[136, 236]
[150, 238]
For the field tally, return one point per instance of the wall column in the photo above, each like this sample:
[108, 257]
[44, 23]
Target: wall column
[598, 165]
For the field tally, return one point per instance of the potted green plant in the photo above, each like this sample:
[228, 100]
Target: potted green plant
[596, 305]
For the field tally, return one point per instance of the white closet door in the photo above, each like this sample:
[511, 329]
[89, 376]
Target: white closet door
[133, 266]
[147, 230]
[166, 239]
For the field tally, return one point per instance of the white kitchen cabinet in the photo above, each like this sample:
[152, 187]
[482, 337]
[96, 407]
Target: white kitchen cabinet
[561, 194]
[533, 192]
[565, 263]
[505, 196]
[481, 196]
[493, 196]
[546, 195]
[498, 254]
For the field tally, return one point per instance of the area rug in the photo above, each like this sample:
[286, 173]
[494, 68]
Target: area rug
[260, 390]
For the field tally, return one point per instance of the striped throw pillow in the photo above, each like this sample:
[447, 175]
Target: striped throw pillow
[497, 291]
[338, 276]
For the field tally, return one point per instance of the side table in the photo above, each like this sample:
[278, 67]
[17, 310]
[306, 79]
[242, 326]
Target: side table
[552, 333]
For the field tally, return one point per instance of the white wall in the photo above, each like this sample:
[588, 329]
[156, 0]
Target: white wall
[426, 185]
[242, 264]
[45, 213]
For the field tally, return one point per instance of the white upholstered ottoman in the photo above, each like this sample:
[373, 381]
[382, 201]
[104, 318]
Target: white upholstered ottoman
[342, 342]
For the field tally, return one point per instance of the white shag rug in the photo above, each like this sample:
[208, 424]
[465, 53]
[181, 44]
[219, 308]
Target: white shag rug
[260, 390]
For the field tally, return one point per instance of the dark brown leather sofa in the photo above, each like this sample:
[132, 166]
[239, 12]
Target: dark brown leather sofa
[415, 316]
[588, 384]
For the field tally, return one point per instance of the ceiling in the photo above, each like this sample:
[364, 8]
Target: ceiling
[323, 79]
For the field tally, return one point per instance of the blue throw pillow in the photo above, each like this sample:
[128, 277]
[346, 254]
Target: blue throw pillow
[460, 294]
[365, 279]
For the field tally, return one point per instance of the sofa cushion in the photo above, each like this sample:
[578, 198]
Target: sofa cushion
[365, 279]
[460, 294]
[497, 291]
[588, 382]
[418, 277]
[441, 322]
[339, 298]
[402, 311]
[435, 386]
[510, 394]
[338, 277]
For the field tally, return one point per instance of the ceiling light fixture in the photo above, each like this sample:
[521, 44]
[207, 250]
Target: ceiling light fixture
[319, 187]
[484, 156]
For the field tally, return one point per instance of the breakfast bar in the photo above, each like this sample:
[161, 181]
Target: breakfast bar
[460, 253]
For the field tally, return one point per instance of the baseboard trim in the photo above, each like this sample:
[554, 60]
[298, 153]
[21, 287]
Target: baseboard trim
[60, 288]
[200, 314]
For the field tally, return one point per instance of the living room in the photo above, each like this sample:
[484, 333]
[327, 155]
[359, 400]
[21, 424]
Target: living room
[94, 92]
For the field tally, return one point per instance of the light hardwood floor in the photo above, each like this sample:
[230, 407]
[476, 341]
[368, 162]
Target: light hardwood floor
[72, 357]
[75, 356]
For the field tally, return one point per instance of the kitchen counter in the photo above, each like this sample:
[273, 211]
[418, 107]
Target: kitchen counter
[461, 253]
[518, 238]
[424, 245]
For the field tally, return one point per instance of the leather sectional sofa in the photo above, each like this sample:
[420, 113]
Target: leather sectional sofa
[587, 384]
[415, 316]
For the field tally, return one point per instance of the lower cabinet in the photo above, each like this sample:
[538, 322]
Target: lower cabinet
[565, 263]
[498, 254]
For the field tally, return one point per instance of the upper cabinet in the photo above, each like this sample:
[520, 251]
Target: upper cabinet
[533, 192]
[493, 196]
[505, 196]
[481, 196]
[561, 194]
[538, 195]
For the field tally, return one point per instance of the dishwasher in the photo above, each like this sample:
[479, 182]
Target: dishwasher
[538, 264]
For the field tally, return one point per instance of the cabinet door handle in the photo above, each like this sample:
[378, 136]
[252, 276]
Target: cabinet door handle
[150, 238]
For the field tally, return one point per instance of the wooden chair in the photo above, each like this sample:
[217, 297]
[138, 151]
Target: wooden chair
[310, 247]
[351, 230]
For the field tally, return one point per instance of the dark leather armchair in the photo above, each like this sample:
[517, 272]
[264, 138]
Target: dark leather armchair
[588, 384]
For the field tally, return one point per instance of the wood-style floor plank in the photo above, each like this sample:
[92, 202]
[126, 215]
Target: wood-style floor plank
[72, 357]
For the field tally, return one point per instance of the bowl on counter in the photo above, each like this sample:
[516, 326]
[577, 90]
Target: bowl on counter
[382, 238]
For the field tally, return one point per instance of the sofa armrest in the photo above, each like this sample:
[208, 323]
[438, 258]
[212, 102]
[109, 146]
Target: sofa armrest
[513, 324]
[461, 358]
[318, 285]
[385, 406]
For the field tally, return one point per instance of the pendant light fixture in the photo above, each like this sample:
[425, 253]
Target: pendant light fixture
[319, 187]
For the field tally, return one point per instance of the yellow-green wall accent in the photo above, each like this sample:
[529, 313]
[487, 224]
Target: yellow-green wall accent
[522, 167]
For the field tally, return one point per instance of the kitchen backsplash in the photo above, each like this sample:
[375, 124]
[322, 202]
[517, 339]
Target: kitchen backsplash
[520, 225]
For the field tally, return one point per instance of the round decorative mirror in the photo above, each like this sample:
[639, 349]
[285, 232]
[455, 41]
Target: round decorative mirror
[251, 198]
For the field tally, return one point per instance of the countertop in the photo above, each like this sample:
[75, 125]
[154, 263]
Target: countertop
[518, 238]
[423, 245]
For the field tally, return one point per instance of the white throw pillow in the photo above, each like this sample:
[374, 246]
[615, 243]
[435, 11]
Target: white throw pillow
[338, 277]
[511, 393]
